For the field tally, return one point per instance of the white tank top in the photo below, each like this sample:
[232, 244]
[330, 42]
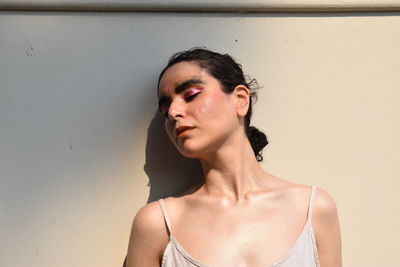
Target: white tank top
[303, 252]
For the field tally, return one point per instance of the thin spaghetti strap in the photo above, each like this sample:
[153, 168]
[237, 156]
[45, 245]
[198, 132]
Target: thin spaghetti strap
[311, 204]
[165, 215]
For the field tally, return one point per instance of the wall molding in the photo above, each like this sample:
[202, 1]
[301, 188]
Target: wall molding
[203, 6]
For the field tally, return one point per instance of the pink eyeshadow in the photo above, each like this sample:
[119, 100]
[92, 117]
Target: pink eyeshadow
[192, 91]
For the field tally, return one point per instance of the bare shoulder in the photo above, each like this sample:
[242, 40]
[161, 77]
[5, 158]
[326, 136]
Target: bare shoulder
[325, 209]
[324, 204]
[148, 219]
[325, 224]
[296, 193]
[148, 237]
[327, 230]
[324, 213]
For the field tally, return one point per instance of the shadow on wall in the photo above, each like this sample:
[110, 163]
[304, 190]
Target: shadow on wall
[169, 172]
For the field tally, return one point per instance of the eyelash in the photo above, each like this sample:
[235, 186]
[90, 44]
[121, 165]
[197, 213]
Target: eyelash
[165, 114]
[187, 98]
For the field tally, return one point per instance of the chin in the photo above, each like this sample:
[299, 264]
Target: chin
[195, 150]
[191, 154]
[188, 150]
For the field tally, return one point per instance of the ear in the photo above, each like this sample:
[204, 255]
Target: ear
[242, 97]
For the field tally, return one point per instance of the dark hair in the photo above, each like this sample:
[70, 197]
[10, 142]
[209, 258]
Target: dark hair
[229, 73]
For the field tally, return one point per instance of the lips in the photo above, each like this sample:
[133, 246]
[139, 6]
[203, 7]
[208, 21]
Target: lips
[181, 129]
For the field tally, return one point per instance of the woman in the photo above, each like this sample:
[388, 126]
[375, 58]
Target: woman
[240, 215]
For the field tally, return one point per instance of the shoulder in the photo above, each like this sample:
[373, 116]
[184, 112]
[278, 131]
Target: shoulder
[148, 216]
[325, 209]
[326, 227]
[149, 236]
[148, 221]
[324, 204]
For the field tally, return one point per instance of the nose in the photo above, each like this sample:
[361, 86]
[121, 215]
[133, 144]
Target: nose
[176, 110]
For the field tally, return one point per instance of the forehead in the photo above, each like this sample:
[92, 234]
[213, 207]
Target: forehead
[180, 72]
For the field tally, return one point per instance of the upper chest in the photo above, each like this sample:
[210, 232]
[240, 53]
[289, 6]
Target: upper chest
[239, 236]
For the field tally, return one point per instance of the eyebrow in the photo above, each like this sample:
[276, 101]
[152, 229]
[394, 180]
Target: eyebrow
[180, 87]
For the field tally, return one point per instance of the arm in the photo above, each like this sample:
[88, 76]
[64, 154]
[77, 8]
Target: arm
[148, 237]
[327, 230]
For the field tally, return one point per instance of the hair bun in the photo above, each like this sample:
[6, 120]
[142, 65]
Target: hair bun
[258, 141]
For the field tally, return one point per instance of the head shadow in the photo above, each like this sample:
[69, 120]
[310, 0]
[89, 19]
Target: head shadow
[169, 172]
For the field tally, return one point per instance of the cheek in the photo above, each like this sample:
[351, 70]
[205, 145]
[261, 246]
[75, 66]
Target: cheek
[216, 108]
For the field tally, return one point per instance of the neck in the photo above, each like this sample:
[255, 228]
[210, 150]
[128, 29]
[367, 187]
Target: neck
[232, 171]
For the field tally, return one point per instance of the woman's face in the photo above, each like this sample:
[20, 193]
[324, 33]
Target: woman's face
[199, 116]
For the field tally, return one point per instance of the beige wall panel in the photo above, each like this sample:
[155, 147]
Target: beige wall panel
[79, 139]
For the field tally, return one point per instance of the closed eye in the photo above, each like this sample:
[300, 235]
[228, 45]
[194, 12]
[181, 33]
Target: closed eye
[164, 111]
[189, 95]
[163, 106]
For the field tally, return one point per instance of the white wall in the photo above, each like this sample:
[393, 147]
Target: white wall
[79, 139]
